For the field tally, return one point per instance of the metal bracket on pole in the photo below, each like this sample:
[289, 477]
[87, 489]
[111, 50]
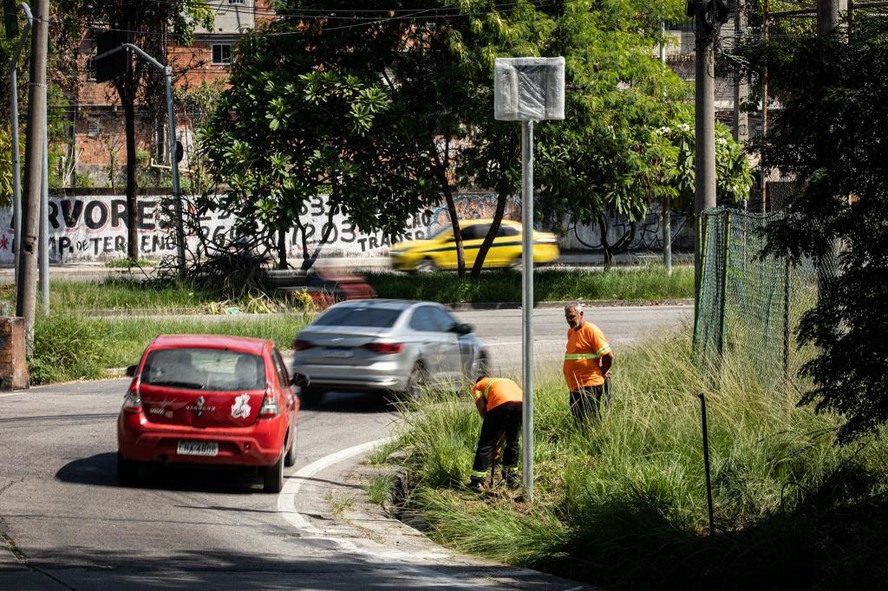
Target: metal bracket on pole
[174, 164]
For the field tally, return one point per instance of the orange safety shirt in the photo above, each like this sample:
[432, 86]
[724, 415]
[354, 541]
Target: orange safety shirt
[497, 391]
[582, 365]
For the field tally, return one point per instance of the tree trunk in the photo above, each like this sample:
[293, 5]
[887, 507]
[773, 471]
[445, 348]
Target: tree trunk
[491, 234]
[132, 207]
[282, 249]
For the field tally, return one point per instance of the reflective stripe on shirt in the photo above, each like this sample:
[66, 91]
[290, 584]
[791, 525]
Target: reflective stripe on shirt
[597, 355]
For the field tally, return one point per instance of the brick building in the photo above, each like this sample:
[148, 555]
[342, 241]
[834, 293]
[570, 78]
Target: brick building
[96, 151]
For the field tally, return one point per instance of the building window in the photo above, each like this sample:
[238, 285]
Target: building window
[222, 53]
[91, 69]
[237, 1]
[92, 128]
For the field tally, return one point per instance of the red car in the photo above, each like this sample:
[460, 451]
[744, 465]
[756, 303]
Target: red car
[207, 399]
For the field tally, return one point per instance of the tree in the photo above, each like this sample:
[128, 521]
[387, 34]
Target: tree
[632, 141]
[299, 121]
[148, 25]
[433, 72]
[830, 136]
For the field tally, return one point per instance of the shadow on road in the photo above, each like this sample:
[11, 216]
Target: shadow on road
[101, 470]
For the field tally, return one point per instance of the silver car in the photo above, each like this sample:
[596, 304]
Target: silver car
[390, 346]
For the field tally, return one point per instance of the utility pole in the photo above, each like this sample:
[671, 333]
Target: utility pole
[667, 214]
[829, 13]
[741, 88]
[26, 295]
[708, 15]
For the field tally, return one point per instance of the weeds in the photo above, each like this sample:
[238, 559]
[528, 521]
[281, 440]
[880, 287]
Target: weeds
[340, 503]
[379, 488]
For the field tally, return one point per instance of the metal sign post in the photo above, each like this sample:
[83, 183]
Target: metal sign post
[528, 90]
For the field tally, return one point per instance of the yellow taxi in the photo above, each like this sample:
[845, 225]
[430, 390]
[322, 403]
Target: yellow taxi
[439, 251]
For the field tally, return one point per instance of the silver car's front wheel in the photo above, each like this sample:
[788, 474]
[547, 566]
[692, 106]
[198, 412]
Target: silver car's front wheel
[417, 382]
[482, 366]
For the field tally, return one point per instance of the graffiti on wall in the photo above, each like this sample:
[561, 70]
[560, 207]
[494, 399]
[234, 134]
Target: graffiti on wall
[94, 228]
[648, 233]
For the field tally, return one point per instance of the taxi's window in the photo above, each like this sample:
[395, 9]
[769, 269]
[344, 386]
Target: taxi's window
[507, 231]
[476, 232]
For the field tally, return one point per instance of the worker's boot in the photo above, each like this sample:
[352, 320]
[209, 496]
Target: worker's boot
[475, 484]
[511, 477]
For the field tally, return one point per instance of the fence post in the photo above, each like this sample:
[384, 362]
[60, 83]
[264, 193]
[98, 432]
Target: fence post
[706, 464]
[786, 320]
[723, 333]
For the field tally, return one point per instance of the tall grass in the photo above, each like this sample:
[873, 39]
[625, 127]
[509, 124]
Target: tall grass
[623, 503]
[75, 346]
[123, 294]
[631, 284]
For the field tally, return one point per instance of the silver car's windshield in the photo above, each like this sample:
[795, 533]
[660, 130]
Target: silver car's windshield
[365, 317]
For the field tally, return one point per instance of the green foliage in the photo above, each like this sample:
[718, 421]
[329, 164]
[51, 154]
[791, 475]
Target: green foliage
[623, 504]
[304, 116]
[5, 168]
[67, 347]
[379, 487]
[386, 111]
[829, 136]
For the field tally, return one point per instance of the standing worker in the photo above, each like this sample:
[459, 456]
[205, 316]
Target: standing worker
[587, 361]
[499, 402]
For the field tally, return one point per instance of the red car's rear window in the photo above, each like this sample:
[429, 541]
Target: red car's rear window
[204, 369]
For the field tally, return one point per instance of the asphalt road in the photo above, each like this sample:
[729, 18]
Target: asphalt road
[65, 524]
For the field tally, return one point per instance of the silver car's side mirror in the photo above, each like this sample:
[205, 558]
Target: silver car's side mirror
[462, 328]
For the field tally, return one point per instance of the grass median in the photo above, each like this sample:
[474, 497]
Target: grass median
[96, 326]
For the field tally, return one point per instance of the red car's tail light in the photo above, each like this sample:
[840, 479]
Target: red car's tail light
[302, 345]
[270, 407]
[132, 400]
[385, 348]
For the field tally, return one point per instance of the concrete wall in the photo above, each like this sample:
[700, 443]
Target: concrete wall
[13, 365]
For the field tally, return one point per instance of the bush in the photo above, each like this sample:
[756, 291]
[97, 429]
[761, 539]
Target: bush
[67, 347]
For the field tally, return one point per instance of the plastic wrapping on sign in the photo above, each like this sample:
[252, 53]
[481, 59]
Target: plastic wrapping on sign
[529, 88]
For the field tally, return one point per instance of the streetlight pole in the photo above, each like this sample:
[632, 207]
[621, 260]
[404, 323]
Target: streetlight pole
[171, 132]
[14, 131]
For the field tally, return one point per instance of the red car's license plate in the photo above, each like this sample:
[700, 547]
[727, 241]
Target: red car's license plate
[197, 448]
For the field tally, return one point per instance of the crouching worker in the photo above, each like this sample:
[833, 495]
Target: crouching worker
[499, 402]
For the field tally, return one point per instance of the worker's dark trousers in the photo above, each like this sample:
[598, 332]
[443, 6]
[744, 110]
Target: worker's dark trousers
[505, 418]
[585, 402]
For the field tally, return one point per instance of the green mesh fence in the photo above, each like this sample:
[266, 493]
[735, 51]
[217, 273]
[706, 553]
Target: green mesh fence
[748, 302]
